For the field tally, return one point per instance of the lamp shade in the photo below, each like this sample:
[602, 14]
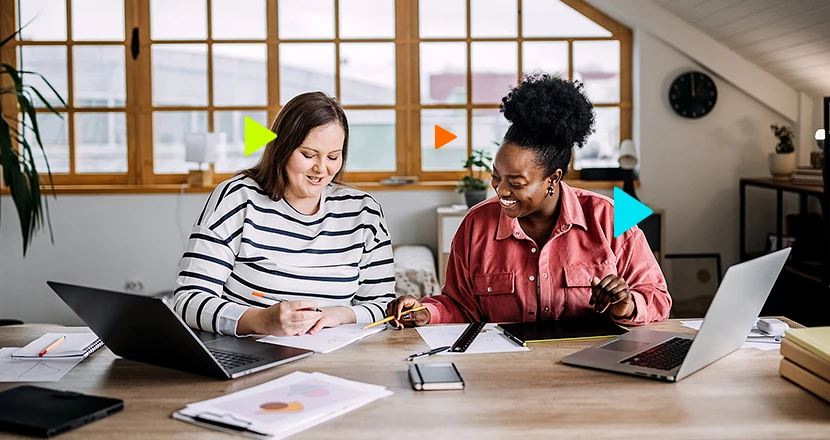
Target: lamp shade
[200, 147]
[820, 134]
[628, 155]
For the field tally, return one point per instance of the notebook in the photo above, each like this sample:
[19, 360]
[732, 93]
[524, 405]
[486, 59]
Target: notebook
[75, 345]
[814, 339]
[544, 331]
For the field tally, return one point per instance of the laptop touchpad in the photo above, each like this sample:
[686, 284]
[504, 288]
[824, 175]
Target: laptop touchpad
[626, 345]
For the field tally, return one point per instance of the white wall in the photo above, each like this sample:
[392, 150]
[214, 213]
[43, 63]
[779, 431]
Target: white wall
[104, 240]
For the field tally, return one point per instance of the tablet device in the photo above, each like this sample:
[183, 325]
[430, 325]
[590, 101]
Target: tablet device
[41, 412]
[562, 329]
[435, 376]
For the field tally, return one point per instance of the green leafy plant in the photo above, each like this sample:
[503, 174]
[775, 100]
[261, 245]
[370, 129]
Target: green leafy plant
[17, 154]
[473, 181]
[785, 136]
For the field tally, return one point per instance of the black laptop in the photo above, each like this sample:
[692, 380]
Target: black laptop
[146, 329]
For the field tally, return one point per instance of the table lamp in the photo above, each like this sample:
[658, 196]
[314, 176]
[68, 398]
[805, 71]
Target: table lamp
[200, 148]
[815, 156]
[628, 161]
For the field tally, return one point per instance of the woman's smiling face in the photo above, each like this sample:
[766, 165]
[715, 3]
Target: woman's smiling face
[519, 181]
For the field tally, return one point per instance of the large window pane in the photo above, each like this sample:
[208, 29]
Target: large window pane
[450, 157]
[178, 20]
[179, 74]
[99, 76]
[98, 20]
[49, 61]
[442, 18]
[371, 140]
[489, 127]
[306, 67]
[494, 71]
[307, 19]
[597, 64]
[54, 135]
[238, 19]
[603, 147]
[552, 18]
[545, 56]
[230, 156]
[367, 19]
[367, 73]
[240, 74]
[44, 20]
[493, 18]
[169, 131]
[443, 73]
[100, 142]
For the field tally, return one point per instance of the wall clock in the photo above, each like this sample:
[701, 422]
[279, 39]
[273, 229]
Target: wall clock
[693, 95]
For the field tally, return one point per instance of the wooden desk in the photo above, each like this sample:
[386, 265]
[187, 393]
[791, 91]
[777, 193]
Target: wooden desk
[519, 395]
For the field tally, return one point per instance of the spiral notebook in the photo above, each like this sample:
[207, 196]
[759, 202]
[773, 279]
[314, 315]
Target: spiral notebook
[75, 345]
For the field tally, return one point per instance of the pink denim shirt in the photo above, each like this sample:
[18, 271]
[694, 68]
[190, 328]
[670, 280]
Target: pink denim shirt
[494, 267]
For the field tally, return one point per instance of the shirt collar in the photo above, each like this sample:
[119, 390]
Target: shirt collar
[570, 214]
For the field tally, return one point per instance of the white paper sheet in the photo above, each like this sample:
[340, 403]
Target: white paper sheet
[753, 339]
[31, 370]
[327, 339]
[490, 340]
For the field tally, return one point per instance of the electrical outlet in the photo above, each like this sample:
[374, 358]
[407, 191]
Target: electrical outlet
[133, 286]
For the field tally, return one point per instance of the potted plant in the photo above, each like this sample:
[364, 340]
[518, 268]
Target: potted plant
[782, 162]
[17, 160]
[472, 185]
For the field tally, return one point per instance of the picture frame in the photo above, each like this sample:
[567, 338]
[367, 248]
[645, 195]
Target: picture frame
[692, 280]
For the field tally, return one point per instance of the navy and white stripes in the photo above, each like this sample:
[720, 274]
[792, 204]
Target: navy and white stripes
[244, 242]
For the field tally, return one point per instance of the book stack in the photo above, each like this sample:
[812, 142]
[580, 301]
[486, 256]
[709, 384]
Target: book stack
[806, 360]
[807, 176]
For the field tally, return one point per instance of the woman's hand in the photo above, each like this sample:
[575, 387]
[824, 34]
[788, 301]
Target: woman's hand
[400, 306]
[281, 319]
[332, 317]
[612, 293]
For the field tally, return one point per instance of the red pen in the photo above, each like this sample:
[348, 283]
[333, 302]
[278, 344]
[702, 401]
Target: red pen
[51, 346]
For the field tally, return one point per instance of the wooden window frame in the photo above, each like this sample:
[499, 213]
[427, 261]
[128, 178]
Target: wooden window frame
[139, 108]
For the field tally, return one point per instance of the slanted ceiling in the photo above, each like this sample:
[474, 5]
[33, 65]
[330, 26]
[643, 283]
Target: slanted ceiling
[788, 38]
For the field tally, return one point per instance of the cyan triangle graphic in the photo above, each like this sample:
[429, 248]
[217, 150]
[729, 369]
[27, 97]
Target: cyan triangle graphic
[628, 211]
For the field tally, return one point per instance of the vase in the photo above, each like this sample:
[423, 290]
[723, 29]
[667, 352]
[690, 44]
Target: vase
[475, 197]
[782, 166]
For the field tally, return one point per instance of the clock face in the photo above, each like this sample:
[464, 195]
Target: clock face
[693, 95]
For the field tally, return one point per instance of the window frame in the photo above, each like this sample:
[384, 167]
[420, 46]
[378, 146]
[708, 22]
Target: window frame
[139, 106]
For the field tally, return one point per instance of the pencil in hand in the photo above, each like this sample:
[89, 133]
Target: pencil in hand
[277, 299]
[389, 318]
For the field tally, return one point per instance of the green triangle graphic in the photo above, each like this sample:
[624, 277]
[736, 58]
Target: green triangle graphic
[256, 136]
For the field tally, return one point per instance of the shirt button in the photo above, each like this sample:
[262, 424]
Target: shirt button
[517, 234]
[489, 289]
[547, 309]
[533, 251]
[544, 275]
[532, 278]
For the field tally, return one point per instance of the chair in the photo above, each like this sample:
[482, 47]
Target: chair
[415, 271]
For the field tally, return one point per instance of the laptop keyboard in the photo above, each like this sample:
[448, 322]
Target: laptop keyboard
[231, 360]
[665, 356]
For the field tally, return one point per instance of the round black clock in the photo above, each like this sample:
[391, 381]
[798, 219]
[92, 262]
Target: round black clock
[693, 95]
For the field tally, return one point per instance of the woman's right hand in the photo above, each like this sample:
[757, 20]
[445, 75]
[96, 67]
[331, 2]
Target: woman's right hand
[290, 318]
[400, 306]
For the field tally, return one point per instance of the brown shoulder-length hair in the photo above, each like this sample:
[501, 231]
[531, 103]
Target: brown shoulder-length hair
[294, 122]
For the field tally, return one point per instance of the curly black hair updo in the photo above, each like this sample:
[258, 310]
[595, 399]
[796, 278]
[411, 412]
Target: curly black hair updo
[549, 115]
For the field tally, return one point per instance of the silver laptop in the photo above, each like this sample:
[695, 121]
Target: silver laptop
[146, 329]
[674, 356]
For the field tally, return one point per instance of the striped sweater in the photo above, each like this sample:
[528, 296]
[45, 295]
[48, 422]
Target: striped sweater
[244, 242]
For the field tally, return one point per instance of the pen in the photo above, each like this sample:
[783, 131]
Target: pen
[51, 346]
[389, 318]
[515, 339]
[277, 299]
[412, 357]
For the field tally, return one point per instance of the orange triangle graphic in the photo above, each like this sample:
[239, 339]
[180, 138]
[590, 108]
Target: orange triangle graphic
[443, 137]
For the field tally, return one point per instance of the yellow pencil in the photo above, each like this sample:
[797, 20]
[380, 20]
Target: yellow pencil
[389, 318]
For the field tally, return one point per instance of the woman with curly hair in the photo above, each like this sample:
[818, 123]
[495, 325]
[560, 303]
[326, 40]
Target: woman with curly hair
[541, 250]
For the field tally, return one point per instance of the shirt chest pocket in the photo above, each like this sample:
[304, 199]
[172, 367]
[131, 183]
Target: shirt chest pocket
[578, 285]
[496, 295]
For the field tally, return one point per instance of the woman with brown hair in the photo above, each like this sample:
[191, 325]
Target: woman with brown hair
[284, 248]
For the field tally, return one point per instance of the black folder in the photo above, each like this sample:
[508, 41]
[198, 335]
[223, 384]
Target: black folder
[42, 412]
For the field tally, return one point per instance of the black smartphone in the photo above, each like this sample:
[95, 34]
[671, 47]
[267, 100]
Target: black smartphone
[435, 376]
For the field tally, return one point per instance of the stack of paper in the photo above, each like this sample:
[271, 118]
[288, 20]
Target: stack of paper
[283, 406]
[327, 339]
[490, 340]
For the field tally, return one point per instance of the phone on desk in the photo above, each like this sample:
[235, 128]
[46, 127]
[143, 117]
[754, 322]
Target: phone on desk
[435, 376]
